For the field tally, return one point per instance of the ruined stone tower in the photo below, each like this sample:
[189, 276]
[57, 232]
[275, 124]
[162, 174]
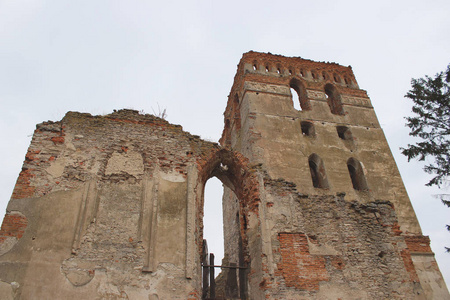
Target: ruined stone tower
[111, 207]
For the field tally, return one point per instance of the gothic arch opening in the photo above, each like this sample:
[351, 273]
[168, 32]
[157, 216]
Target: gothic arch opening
[318, 174]
[237, 182]
[299, 95]
[334, 99]
[356, 172]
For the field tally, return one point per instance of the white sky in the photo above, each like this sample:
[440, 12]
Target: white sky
[96, 56]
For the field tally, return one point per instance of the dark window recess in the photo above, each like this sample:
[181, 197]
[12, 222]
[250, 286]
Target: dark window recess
[308, 128]
[344, 133]
[318, 174]
[357, 175]
[336, 78]
[334, 100]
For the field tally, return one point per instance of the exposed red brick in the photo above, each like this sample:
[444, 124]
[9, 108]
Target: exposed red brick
[57, 139]
[409, 265]
[31, 155]
[14, 225]
[298, 267]
[23, 189]
[396, 229]
[193, 295]
[418, 243]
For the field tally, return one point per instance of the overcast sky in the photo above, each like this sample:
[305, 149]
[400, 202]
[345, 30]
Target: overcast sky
[96, 56]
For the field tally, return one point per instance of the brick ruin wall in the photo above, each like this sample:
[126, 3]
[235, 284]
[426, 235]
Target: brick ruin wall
[86, 192]
[328, 246]
[104, 162]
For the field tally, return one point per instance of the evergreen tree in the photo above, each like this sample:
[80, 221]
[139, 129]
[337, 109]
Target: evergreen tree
[431, 123]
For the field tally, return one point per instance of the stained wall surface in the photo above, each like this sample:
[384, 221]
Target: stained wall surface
[111, 207]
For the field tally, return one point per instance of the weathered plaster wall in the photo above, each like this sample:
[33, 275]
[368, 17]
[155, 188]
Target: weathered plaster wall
[272, 130]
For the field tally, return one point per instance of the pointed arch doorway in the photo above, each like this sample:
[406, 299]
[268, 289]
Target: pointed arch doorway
[232, 282]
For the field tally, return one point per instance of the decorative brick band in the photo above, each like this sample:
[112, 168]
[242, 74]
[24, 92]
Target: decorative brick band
[267, 88]
[356, 101]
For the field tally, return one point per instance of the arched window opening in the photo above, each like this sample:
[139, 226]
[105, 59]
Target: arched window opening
[344, 133]
[325, 75]
[267, 68]
[290, 71]
[302, 73]
[298, 94]
[334, 100]
[308, 128]
[314, 75]
[254, 67]
[357, 176]
[318, 174]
